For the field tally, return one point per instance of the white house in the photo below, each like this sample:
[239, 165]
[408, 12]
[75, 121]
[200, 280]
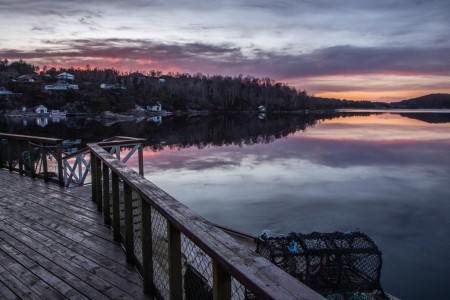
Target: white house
[162, 80]
[155, 119]
[41, 109]
[155, 107]
[61, 85]
[65, 75]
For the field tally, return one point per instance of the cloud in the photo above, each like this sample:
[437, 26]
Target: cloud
[229, 59]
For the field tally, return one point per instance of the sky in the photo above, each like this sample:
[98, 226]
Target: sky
[385, 50]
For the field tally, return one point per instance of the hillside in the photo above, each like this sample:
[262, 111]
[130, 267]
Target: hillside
[427, 101]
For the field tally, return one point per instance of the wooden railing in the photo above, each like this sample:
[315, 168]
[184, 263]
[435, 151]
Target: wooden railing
[29, 155]
[179, 254]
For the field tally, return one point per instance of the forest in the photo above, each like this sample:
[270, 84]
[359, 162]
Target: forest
[175, 91]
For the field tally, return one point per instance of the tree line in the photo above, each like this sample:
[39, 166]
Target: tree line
[175, 91]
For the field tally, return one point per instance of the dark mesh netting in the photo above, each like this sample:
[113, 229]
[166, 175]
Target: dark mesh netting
[337, 265]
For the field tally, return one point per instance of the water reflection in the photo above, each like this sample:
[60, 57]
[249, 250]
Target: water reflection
[385, 174]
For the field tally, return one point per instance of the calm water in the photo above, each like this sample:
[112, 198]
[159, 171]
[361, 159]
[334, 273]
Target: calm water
[386, 174]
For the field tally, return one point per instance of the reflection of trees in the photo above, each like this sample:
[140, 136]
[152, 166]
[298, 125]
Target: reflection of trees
[183, 131]
[433, 118]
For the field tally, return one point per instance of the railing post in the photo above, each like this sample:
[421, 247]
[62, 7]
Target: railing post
[98, 183]
[19, 157]
[106, 214]
[175, 271]
[147, 250]
[10, 165]
[141, 159]
[60, 164]
[221, 283]
[129, 246]
[94, 176]
[31, 150]
[116, 206]
[44, 162]
[1, 153]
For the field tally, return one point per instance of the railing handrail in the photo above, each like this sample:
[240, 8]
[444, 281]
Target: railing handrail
[30, 138]
[252, 270]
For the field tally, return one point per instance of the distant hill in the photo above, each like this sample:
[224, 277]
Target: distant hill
[428, 101]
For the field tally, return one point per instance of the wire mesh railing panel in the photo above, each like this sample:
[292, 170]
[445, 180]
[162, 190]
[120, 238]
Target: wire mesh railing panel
[137, 227]
[197, 271]
[160, 249]
[239, 291]
[122, 207]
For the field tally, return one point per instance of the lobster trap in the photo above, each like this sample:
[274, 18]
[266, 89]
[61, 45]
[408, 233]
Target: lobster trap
[336, 265]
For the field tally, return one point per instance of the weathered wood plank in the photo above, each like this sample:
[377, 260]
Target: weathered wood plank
[67, 258]
[14, 284]
[64, 215]
[84, 238]
[55, 245]
[85, 282]
[47, 237]
[6, 293]
[38, 286]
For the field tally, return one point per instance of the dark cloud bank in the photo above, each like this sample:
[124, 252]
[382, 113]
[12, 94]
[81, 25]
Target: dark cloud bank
[228, 59]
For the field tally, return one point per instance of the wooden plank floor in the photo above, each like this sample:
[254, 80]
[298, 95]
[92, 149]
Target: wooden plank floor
[54, 245]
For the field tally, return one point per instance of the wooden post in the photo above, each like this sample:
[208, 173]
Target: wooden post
[60, 164]
[44, 162]
[98, 183]
[106, 213]
[19, 157]
[147, 250]
[221, 283]
[116, 206]
[94, 176]
[10, 165]
[1, 153]
[175, 271]
[129, 239]
[141, 160]
[31, 150]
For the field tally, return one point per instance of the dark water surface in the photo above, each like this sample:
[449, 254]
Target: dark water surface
[385, 174]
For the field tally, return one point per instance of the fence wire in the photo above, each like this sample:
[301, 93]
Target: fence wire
[137, 227]
[160, 249]
[197, 271]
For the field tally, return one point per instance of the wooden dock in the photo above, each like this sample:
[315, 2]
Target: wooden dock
[54, 245]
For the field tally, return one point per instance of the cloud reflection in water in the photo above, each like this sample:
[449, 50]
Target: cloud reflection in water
[389, 179]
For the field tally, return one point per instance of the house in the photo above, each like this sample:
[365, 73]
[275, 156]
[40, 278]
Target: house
[60, 85]
[162, 80]
[41, 109]
[155, 107]
[29, 78]
[112, 86]
[66, 76]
